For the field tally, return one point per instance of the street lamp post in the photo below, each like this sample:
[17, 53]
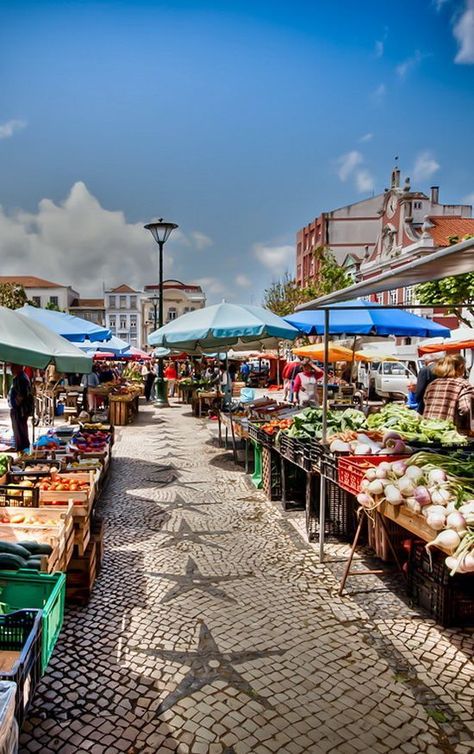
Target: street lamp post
[160, 231]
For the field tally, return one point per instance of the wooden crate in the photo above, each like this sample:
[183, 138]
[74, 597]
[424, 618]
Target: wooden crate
[51, 527]
[81, 575]
[97, 536]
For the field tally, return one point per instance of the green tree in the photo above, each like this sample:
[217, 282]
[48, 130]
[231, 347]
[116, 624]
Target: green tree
[457, 292]
[284, 295]
[12, 295]
[52, 307]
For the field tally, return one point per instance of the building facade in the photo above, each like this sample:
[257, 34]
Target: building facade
[123, 313]
[178, 298]
[92, 309]
[44, 292]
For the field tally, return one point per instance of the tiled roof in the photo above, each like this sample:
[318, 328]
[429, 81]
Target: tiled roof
[447, 226]
[124, 288]
[88, 303]
[29, 281]
[176, 284]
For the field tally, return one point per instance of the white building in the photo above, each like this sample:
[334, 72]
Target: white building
[123, 313]
[43, 292]
[178, 298]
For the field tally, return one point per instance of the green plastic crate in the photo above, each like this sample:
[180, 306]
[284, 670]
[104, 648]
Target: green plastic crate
[256, 477]
[45, 591]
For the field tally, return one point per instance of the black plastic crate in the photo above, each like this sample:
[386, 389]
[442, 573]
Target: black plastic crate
[21, 632]
[302, 453]
[257, 434]
[340, 511]
[316, 452]
[293, 485]
[20, 497]
[286, 447]
[329, 466]
[271, 474]
[449, 599]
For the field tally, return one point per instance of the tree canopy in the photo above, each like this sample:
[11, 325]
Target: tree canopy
[12, 295]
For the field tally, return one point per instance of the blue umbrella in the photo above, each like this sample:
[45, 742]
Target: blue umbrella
[368, 319]
[114, 345]
[74, 329]
[221, 326]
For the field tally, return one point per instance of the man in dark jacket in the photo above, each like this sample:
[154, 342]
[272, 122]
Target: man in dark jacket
[425, 376]
[20, 399]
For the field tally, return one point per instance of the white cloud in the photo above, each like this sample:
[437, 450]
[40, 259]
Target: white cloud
[77, 242]
[408, 65]
[464, 33]
[211, 285]
[366, 137]
[364, 180]
[278, 259]
[347, 163]
[378, 95]
[201, 241]
[425, 166]
[439, 4]
[243, 281]
[379, 48]
[8, 128]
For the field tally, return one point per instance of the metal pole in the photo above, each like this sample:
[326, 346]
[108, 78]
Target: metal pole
[322, 487]
[161, 396]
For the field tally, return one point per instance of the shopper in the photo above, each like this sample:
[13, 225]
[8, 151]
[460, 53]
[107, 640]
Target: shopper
[150, 377]
[305, 384]
[450, 395]
[426, 375]
[21, 402]
[89, 382]
[171, 375]
[245, 371]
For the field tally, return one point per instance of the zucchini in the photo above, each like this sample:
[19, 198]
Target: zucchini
[14, 549]
[33, 563]
[10, 562]
[36, 548]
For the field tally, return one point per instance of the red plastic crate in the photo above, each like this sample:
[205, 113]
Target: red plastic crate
[351, 469]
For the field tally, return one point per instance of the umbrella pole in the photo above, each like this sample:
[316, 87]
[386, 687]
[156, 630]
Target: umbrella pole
[278, 365]
[322, 487]
[353, 359]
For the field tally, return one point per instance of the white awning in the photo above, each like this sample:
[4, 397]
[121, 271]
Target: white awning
[454, 260]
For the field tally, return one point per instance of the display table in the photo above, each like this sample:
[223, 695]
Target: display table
[123, 409]
[204, 398]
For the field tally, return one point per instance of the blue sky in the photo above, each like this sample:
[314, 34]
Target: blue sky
[240, 121]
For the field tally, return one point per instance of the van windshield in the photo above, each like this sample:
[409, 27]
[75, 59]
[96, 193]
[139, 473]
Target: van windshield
[394, 368]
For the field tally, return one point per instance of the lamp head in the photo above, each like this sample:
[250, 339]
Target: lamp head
[161, 230]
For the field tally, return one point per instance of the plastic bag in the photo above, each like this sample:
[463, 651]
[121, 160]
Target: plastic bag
[8, 723]
[247, 394]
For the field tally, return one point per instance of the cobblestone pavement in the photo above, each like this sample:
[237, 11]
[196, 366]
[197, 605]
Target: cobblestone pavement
[214, 629]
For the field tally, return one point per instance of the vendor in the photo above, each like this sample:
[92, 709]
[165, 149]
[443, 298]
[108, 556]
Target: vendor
[170, 375]
[346, 371]
[450, 395]
[305, 384]
[21, 402]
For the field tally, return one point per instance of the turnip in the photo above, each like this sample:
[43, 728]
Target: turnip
[456, 521]
[406, 486]
[371, 474]
[437, 521]
[411, 503]
[381, 471]
[436, 475]
[364, 485]
[375, 487]
[399, 468]
[392, 494]
[414, 472]
[440, 496]
[448, 539]
[365, 500]
[422, 496]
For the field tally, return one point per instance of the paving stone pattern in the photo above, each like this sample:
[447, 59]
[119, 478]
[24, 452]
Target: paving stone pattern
[214, 629]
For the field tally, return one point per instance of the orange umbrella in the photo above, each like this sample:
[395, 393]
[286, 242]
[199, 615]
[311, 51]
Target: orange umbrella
[335, 353]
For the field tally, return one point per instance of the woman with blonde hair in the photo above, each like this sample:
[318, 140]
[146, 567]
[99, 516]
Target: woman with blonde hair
[450, 396]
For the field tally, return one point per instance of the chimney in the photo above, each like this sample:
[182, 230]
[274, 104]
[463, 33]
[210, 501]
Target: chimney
[434, 194]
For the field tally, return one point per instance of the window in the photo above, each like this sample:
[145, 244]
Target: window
[417, 205]
[133, 322]
[171, 313]
[112, 320]
[408, 295]
[379, 298]
[123, 302]
[133, 302]
[112, 303]
[123, 322]
[54, 300]
[392, 297]
[36, 300]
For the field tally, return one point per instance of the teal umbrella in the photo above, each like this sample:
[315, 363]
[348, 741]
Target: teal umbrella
[26, 342]
[223, 326]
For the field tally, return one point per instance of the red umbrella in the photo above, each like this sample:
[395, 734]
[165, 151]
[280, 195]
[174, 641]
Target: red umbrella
[101, 355]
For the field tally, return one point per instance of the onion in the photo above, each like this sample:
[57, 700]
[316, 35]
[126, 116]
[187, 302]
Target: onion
[422, 496]
[381, 471]
[365, 500]
[399, 468]
[393, 495]
[406, 487]
[414, 472]
[456, 521]
[437, 475]
[411, 503]
[375, 487]
[364, 485]
[437, 509]
[371, 474]
[448, 539]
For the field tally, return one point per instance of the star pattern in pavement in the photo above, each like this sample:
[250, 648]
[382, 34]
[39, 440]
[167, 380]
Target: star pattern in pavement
[208, 664]
[179, 504]
[185, 534]
[170, 477]
[193, 579]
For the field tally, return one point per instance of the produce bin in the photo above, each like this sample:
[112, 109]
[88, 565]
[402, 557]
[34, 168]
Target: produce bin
[257, 465]
[43, 591]
[20, 635]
